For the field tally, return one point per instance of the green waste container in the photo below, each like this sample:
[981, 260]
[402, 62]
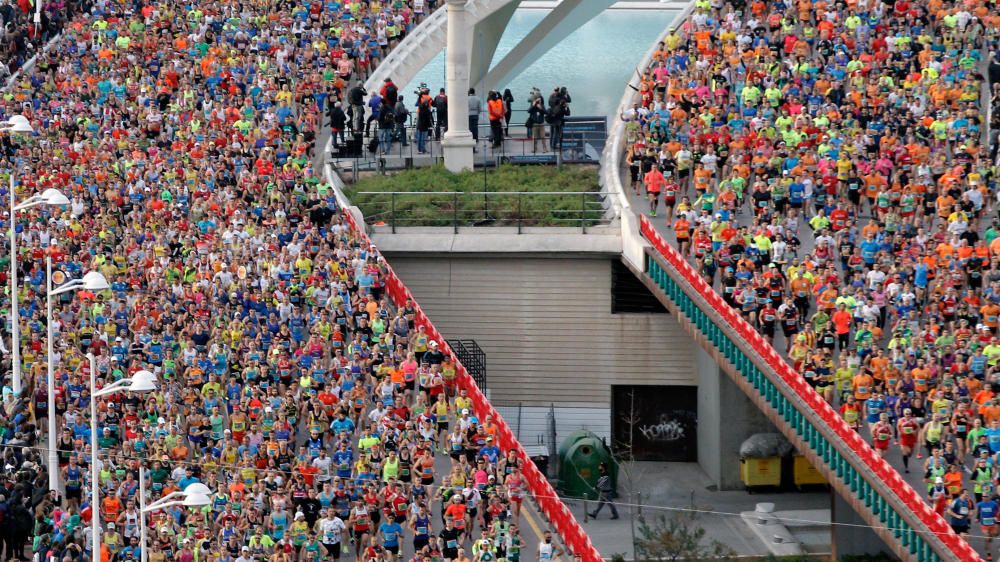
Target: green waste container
[571, 439]
[580, 457]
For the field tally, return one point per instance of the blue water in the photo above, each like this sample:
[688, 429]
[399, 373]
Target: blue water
[594, 62]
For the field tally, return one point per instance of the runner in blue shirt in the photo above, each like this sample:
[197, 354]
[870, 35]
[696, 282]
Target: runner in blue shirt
[959, 512]
[390, 532]
[986, 511]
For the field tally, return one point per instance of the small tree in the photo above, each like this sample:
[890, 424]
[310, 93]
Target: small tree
[678, 538]
[623, 454]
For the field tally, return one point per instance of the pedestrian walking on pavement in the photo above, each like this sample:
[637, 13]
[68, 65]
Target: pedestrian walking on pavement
[606, 492]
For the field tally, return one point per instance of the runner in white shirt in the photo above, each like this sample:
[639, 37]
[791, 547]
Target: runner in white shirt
[546, 550]
[331, 530]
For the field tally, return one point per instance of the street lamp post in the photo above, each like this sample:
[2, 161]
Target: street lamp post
[92, 281]
[16, 124]
[195, 495]
[141, 381]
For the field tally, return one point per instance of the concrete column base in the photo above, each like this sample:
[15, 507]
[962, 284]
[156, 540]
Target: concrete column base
[851, 534]
[458, 153]
[726, 417]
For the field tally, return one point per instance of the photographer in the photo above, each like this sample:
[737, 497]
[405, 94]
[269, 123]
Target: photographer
[536, 123]
[356, 101]
[338, 122]
[558, 112]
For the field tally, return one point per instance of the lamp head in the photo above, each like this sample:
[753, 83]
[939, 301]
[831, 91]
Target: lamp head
[95, 281]
[196, 500]
[52, 196]
[142, 381]
[18, 124]
[198, 488]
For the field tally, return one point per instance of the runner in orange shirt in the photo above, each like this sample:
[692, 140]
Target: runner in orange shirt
[654, 182]
[682, 228]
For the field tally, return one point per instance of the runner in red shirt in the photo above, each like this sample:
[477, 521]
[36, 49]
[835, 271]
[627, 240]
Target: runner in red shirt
[907, 428]
[882, 434]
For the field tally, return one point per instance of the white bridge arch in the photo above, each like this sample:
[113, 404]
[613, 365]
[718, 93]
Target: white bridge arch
[490, 19]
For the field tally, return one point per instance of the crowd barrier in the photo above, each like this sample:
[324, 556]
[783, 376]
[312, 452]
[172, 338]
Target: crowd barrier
[560, 518]
[890, 478]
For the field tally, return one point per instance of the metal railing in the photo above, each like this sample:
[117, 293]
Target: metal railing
[517, 147]
[482, 208]
[473, 357]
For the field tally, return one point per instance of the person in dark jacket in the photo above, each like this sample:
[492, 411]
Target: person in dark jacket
[440, 104]
[558, 112]
[338, 122]
[425, 120]
[400, 115]
[508, 110]
[557, 118]
[386, 126]
[356, 100]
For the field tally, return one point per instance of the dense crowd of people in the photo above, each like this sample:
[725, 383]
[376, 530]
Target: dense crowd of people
[21, 38]
[327, 424]
[395, 116]
[825, 166]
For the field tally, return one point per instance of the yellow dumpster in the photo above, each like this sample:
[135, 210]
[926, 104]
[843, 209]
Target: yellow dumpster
[804, 474]
[764, 471]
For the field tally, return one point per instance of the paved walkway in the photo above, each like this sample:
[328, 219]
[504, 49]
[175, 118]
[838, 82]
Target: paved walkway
[514, 148]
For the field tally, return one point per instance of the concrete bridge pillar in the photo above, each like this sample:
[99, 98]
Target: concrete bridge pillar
[851, 534]
[458, 142]
[726, 418]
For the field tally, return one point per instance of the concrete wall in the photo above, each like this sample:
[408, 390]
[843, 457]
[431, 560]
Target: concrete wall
[547, 328]
[550, 338]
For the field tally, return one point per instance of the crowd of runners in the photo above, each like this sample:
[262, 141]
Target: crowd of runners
[825, 166]
[327, 425]
[21, 38]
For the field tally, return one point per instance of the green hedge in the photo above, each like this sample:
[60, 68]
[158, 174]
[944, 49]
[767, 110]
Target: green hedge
[428, 207]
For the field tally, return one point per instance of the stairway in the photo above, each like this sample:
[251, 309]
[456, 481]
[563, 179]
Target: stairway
[897, 514]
